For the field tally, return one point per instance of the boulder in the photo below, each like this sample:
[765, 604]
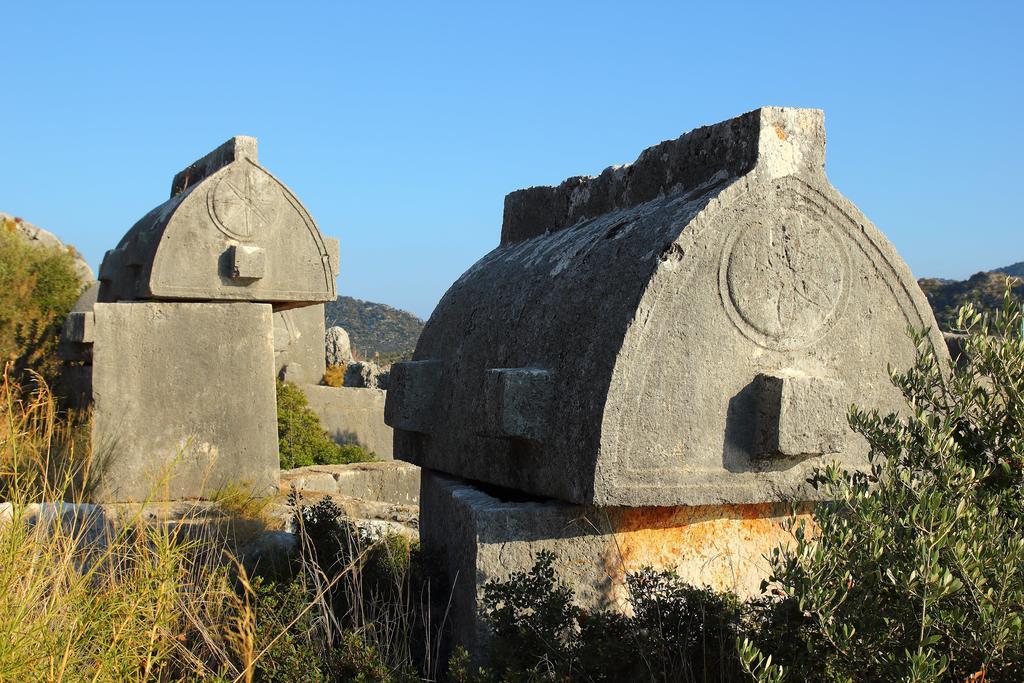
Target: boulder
[337, 347]
[363, 374]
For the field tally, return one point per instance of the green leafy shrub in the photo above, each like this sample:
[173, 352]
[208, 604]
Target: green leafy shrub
[285, 632]
[38, 287]
[676, 632]
[916, 570]
[356, 603]
[302, 440]
[294, 645]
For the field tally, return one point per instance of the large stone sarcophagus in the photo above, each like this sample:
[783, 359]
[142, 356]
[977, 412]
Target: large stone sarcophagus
[688, 329]
[650, 365]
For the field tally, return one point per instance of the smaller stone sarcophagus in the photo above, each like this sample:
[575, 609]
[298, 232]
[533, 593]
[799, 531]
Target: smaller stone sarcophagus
[689, 329]
[178, 343]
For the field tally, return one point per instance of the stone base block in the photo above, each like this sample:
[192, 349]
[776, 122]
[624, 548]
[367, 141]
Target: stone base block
[352, 415]
[183, 400]
[479, 535]
[387, 482]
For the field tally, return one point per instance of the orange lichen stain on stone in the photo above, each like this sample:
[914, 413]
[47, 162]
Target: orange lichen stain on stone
[781, 133]
[722, 546]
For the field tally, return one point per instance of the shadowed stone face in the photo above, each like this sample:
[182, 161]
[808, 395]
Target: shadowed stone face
[299, 344]
[702, 320]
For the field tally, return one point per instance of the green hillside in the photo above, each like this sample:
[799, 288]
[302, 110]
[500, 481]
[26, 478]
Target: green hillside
[984, 290]
[374, 328]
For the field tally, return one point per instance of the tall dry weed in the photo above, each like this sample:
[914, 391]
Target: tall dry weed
[83, 599]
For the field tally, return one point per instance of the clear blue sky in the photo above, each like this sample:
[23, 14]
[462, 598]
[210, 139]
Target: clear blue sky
[402, 126]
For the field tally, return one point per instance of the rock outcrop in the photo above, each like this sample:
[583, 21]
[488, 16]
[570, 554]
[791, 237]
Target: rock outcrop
[33, 234]
[337, 346]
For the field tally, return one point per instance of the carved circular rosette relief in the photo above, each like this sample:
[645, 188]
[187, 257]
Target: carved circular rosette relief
[784, 274]
[243, 202]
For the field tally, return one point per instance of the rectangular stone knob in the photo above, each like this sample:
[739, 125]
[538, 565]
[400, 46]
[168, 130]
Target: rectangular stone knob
[412, 395]
[799, 415]
[516, 403]
[247, 263]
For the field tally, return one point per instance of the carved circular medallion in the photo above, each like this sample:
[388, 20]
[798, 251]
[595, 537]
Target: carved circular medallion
[785, 274]
[243, 202]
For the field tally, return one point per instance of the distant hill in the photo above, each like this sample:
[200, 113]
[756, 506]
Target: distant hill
[984, 290]
[374, 328]
[1017, 269]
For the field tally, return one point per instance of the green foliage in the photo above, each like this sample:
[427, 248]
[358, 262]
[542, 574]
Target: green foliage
[676, 632]
[915, 571]
[375, 328]
[285, 633]
[357, 661]
[294, 646]
[38, 287]
[337, 616]
[301, 439]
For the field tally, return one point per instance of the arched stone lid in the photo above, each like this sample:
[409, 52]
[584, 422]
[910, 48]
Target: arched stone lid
[689, 329]
[231, 231]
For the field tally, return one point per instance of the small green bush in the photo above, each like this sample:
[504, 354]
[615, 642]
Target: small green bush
[677, 632]
[293, 644]
[302, 440]
[346, 610]
[285, 633]
[916, 570]
[38, 287]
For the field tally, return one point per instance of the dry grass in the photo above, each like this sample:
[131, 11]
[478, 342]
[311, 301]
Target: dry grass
[86, 597]
[335, 376]
[83, 600]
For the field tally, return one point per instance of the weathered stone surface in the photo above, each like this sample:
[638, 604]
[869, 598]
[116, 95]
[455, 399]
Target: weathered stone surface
[798, 416]
[363, 375]
[337, 347]
[386, 482]
[480, 537]
[88, 298]
[229, 232]
[88, 524]
[517, 402]
[299, 345]
[413, 405]
[75, 342]
[655, 295]
[352, 415]
[378, 497]
[183, 400]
